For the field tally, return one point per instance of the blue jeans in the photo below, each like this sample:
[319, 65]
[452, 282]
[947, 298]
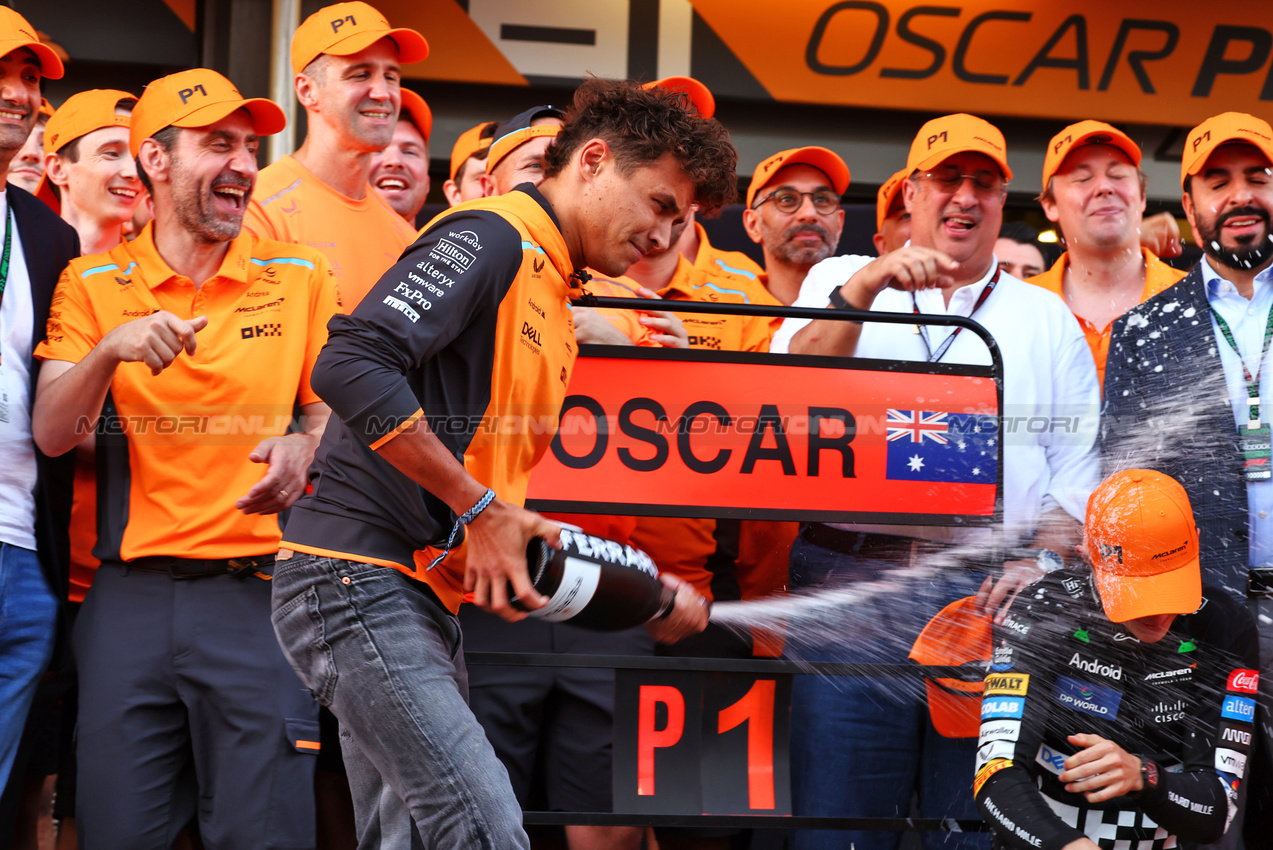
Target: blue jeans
[862, 746]
[382, 653]
[28, 617]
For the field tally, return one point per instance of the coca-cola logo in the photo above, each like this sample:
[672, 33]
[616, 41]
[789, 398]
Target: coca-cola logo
[1244, 681]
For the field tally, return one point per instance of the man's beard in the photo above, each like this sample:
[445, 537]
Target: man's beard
[1252, 252]
[192, 204]
[806, 255]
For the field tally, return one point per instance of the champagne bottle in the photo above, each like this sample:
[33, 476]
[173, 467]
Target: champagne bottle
[596, 583]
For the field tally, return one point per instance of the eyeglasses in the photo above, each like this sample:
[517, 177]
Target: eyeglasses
[985, 183]
[788, 201]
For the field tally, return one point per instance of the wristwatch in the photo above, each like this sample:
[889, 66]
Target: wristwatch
[1048, 560]
[1148, 775]
[838, 302]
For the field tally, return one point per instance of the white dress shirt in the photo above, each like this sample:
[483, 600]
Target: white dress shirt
[1246, 320]
[1049, 377]
[17, 452]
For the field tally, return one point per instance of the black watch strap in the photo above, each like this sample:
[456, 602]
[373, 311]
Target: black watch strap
[838, 302]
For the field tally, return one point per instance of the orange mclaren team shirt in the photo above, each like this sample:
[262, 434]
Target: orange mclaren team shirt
[360, 239]
[472, 331]
[1158, 276]
[628, 322]
[723, 277]
[173, 448]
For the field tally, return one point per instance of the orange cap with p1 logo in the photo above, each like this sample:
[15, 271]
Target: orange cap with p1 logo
[1086, 133]
[197, 98]
[825, 160]
[347, 28]
[1220, 129]
[951, 134]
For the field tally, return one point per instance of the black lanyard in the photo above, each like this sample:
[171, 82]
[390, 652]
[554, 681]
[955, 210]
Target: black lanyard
[1252, 384]
[945, 346]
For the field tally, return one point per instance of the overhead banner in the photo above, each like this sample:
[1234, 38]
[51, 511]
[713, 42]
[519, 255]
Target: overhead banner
[766, 436]
[1166, 62]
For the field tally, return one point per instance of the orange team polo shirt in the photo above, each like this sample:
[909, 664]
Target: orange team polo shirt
[360, 239]
[188, 431]
[1158, 276]
[724, 277]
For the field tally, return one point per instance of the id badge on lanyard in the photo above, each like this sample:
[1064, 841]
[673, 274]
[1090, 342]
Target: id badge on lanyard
[1255, 444]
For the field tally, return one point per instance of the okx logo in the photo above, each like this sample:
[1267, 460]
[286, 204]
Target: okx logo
[267, 329]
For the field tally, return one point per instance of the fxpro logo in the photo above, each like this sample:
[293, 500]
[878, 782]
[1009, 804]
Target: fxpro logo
[1095, 665]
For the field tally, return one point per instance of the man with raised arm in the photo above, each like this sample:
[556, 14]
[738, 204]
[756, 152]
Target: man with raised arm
[955, 190]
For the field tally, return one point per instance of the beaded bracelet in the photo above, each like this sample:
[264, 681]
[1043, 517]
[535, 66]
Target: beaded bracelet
[467, 517]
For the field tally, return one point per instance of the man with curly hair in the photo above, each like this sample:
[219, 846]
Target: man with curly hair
[442, 380]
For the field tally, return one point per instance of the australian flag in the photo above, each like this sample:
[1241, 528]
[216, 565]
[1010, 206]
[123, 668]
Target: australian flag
[943, 447]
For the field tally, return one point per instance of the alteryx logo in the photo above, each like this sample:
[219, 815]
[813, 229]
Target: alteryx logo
[1002, 708]
[1238, 708]
[1086, 697]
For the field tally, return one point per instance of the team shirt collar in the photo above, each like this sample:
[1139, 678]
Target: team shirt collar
[155, 272]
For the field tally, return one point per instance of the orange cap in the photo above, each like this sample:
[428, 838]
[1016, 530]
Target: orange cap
[46, 108]
[346, 28]
[699, 94]
[519, 130]
[1086, 133]
[1142, 542]
[1215, 131]
[197, 98]
[415, 110]
[826, 161]
[956, 635]
[951, 134]
[470, 142]
[16, 32]
[81, 114]
[888, 192]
